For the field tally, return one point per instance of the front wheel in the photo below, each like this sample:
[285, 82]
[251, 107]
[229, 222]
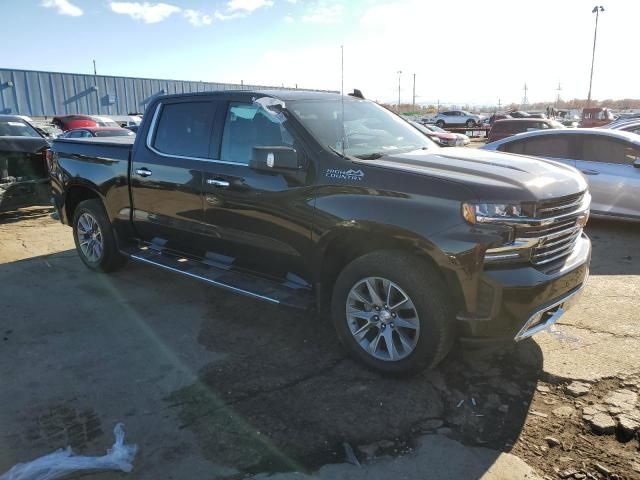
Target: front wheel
[392, 312]
[440, 124]
[471, 123]
[94, 238]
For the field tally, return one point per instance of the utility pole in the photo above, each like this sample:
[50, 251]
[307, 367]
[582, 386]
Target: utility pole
[559, 89]
[525, 99]
[399, 75]
[499, 105]
[94, 68]
[438, 105]
[597, 9]
[414, 93]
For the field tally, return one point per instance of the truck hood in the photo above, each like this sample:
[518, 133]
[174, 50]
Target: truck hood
[491, 176]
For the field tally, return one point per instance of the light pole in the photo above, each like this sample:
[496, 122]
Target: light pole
[597, 9]
[414, 93]
[399, 75]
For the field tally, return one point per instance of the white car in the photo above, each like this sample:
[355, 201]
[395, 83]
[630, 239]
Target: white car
[609, 160]
[458, 117]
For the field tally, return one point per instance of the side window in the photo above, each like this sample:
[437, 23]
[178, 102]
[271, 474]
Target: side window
[607, 150]
[547, 146]
[184, 129]
[85, 134]
[513, 147]
[248, 126]
[76, 134]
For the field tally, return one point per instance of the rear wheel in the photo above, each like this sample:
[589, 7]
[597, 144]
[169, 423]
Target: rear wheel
[94, 238]
[391, 311]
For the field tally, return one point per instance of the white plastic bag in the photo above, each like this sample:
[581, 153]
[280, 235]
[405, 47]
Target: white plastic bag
[63, 462]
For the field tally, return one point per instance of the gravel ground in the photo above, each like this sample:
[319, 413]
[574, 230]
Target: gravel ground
[216, 383]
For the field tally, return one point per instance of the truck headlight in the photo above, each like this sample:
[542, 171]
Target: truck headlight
[491, 212]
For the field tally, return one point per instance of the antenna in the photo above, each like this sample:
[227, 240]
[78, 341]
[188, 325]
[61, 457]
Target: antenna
[342, 95]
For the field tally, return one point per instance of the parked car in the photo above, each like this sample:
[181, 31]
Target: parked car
[442, 138]
[98, 132]
[498, 116]
[133, 128]
[610, 160]
[518, 114]
[631, 126]
[506, 128]
[313, 199]
[465, 139]
[69, 122]
[24, 179]
[567, 118]
[457, 117]
[105, 121]
[595, 117]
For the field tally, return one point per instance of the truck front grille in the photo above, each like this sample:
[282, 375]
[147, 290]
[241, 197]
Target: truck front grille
[556, 239]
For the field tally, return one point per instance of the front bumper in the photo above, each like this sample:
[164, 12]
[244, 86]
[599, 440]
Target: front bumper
[516, 303]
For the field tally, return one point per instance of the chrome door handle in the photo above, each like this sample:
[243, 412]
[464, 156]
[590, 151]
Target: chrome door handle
[590, 172]
[217, 183]
[143, 172]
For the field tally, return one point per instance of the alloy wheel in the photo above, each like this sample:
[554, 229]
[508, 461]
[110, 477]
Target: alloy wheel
[90, 237]
[382, 319]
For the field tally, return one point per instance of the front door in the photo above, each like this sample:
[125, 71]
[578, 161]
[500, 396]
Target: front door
[166, 176]
[257, 221]
[614, 181]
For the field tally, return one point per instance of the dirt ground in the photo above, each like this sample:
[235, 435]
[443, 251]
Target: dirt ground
[216, 383]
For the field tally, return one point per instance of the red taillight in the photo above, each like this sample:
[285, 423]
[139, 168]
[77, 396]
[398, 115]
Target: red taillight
[48, 158]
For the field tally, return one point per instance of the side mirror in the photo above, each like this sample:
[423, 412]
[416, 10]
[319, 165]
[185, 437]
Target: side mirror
[269, 158]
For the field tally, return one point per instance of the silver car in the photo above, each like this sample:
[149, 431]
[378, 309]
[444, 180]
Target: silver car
[609, 159]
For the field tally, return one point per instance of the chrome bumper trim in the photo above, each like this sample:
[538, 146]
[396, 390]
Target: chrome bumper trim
[561, 306]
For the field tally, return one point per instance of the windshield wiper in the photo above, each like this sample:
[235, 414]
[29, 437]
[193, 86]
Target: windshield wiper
[370, 156]
[339, 153]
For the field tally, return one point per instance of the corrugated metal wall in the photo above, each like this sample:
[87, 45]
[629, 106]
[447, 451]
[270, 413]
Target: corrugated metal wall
[40, 94]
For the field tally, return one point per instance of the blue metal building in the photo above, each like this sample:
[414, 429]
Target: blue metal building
[46, 94]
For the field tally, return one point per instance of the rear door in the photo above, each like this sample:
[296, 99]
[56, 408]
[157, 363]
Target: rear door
[258, 221]
[553, 147]
[614, 181]
[166, 176]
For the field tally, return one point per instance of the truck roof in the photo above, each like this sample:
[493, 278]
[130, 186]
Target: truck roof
[284, 95]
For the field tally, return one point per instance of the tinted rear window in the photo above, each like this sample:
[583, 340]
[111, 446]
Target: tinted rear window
[15, 128]
[184, 129]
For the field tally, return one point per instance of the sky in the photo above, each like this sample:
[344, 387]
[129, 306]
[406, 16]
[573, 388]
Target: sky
[461, 51]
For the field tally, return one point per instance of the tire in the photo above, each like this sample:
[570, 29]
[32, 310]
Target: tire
[470, 123]
[431, 334]
[94, 237]
[440, 124]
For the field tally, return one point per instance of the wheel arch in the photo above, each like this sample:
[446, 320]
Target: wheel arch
[343, 245]
[76, 193]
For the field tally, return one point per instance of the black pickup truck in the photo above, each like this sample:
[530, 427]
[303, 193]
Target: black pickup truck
[311, 199]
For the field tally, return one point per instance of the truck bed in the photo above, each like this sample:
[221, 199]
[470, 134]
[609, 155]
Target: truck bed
[116, 148]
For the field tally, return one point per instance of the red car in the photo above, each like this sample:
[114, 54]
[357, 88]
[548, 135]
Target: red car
[595, 117]
[442, 138]
[89, 132]
[512, 126]
[69, 122]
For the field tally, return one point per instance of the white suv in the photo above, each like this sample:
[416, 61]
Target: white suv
[458, 117]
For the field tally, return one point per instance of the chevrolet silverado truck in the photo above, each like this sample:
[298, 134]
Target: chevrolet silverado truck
[314, 200]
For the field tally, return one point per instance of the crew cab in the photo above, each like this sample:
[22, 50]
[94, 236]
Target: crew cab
[317, 201]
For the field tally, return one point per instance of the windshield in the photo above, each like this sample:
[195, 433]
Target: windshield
[369, 129]
[114, 133]
[15, 128]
